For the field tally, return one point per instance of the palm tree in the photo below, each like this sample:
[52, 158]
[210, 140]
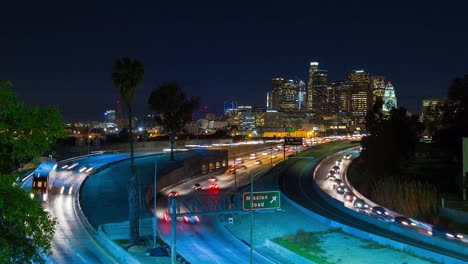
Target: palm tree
[127, 76]
[174, 109]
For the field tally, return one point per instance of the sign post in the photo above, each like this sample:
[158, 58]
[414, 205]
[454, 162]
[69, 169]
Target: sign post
[261, 200]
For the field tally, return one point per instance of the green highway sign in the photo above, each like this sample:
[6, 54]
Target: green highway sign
[293, 141]
[261, 200]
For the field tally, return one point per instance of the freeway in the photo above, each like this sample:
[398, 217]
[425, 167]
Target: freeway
[72, 242]
[208, 241]
[297, 182]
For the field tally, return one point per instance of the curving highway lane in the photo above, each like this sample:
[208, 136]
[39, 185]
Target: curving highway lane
[297, 182]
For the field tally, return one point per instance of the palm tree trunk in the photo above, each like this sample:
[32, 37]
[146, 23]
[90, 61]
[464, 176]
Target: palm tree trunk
[132, 189]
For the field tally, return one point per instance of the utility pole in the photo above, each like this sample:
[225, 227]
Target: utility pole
[155, 218]
[235, 172]
[251, 218]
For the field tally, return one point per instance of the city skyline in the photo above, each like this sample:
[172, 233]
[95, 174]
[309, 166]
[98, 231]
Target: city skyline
[63, 56]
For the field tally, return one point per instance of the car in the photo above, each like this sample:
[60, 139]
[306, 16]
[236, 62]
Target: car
[231, 171]
[360, 204]
[258, 162]
[239, 161]
[197, 186]
[386, 218]
[379, 210]
[214, 186]
[338, 162]
[264, 153]
[338, 182]
[167, 217]
[212, 179]
[191, 219]
[349, 196]
[331, 175]
[446, 232]
[273, 156]
[336, 168]
[406, 221]
[173, 194]
[241, 168]
[341, 189]
[347, 157]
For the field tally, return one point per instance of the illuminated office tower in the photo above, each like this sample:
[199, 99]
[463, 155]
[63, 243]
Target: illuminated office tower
[378, 87]
[110, 120]
[319, 91]
[268, 100]
[389, 99]
[331, 105]
[301, 95]
[361, 95]
[288, 96]
[343, 95]
[277, 85]
[309, 93]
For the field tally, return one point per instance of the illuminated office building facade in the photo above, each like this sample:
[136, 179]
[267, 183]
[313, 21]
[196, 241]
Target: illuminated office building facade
[343, 95]
[378, 87]
[309, 93]
[277, 85]
[361, 95]
[389, 99]
[301, 96]
[319, 92]
[289, 94]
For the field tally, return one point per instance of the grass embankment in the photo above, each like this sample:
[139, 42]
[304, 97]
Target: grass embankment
[305, 244]
[310, 245]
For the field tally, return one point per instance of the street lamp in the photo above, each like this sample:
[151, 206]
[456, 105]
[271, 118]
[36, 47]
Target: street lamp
[235, 172]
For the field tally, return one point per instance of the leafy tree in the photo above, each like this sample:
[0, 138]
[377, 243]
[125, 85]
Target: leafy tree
[390, 142]
[174, 107]
[25, 228]
[25, 132]
[127, 76]
[455, 119]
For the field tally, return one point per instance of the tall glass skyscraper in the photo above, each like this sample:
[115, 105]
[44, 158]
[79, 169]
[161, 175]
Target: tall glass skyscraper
[309, 94]
[319, 91]
[389, 98]
[301, 96]
[361, 94]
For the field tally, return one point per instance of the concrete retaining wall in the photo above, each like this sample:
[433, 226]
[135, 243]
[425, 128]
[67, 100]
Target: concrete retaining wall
[113, 248]
[107, 233]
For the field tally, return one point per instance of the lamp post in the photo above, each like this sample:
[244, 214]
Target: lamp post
[155, 219]
[251, 218]
[235, 173]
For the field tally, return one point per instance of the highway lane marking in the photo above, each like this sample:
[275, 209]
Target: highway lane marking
[78, 254]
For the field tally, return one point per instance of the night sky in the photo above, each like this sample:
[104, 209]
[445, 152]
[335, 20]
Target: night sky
[61, 53]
